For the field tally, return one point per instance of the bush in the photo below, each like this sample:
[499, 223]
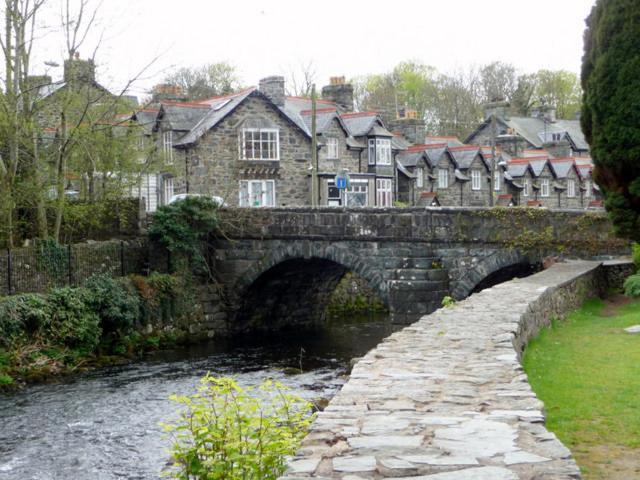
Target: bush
[632, 286]
[115, 301]
[184, 226]
[229, 432]
[21, 315]
[165, 297]
[636, 255]
[71, 320]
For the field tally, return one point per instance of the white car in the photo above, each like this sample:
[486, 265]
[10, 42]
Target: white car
[181, 196]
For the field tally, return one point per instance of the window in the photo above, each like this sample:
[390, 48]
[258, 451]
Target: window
[476, 179]
[383, 192]
[356, 194]
[496, 180]
[167, 145]
[587, 188]
[257, 193]
[526, 185]
[556, 137]
[260, 144]
[544, 187]
[420, 177]
[379, 151]
[332, 148]
[571, 188]
[167, 189]
[443, 178]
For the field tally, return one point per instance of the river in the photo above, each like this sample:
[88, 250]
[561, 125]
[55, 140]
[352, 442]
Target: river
[104, 425]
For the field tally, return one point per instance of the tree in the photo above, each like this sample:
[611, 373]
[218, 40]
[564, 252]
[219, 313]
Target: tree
[610, 113]
[499, 81]
[206, 81]
[560, 89]
[300, 81]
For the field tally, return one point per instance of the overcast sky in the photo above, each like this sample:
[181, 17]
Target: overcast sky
[340, 37]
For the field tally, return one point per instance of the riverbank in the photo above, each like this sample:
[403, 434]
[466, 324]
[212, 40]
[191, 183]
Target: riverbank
[586, 370]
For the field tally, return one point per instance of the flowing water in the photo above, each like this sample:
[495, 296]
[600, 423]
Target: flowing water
[105, 425]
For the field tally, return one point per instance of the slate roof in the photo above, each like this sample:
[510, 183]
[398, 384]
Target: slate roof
[562, 166]
[464, 156]
[361, 123]
[409, 158]
[147, 119]
[324, 117]
[183, 116]
[517, 168]
[532, 130]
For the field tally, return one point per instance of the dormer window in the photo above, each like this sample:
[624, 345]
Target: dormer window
[379, 151]
[496, 180]
[525, 190]
[260, 144]
[167, 145]
[544, 187]
[571, 188]
[332, 148]
[420, 177]
[443, 178]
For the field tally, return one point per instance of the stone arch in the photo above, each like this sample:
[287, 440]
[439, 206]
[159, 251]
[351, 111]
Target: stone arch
[493, 263]
[309, 250]
[291, 285]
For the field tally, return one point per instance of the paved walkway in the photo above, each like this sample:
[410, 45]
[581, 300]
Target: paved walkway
[446, 398]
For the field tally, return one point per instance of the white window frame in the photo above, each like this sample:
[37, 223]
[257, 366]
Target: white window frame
[544, 187]
[333, 148]
[587, 188]
[526, 185]
[167, 189]
[167, 146]
[273, 144]
[476, 180]
[497, 180]
[379, 151]
[571, 188]
[384, 192]
[443, 178]
[420, 177]
[247, 188]
[357, 187]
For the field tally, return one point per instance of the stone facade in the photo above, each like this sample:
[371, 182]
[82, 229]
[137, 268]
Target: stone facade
[216, 167]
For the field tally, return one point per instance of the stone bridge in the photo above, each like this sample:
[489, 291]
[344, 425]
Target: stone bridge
[279, 266]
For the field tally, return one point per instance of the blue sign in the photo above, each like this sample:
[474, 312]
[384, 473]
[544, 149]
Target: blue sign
[342, 181]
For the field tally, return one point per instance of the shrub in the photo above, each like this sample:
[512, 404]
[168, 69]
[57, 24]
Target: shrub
[184, 226]
[229, 432]
[70, 319]
[636, 256]
[632, 286]
[164, 297]
[115, 301]
[448, 302]
[21, 315]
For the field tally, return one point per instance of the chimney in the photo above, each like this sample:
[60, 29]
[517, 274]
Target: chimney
[339, 92]
[77, 71]
[273, 88]
[500, 109]
[165, 92]
[409, 125]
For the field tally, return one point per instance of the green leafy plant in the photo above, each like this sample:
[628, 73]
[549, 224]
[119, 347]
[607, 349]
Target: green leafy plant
[70, 319]
[632, 286]
[636, 255]
[184, 226]
[229, 432]
[448, 302]
[21, 315]
[52, 258]
[115, 301]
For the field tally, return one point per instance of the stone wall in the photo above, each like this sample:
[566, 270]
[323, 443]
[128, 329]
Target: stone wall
[447, 398]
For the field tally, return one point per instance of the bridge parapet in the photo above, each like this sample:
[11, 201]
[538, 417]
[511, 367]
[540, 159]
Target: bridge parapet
[576, 232]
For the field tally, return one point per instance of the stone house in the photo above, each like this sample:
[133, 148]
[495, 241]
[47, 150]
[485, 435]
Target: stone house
[562, 138]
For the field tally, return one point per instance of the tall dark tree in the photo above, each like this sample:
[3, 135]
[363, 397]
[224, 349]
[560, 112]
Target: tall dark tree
[611, 107]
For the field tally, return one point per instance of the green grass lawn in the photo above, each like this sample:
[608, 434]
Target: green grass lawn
[586, 369]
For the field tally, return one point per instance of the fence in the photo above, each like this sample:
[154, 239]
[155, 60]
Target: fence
[38, 268]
